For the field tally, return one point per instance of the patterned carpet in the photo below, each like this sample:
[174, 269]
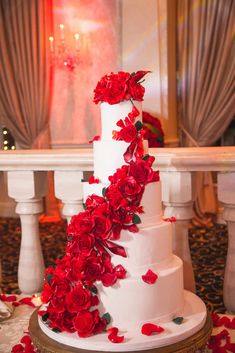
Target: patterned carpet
[208, 250]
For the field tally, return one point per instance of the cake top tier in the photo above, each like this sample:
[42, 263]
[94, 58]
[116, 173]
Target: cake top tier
[111, 114]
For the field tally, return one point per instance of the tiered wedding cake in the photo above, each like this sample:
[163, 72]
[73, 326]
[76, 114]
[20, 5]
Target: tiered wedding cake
[119, 281]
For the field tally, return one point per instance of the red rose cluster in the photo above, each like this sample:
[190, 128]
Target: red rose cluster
[115, 88]
[69, 288]
[153, 130]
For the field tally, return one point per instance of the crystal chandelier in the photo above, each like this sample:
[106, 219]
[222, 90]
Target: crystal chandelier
[64, 56]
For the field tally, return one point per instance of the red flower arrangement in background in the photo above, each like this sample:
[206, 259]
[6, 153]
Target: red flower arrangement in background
[115, 88]
[153, 130]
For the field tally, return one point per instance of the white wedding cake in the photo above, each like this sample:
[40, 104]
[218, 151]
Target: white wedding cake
[151, 290]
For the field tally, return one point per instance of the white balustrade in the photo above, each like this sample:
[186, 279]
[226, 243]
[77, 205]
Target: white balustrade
[68, 188]
[177, 197]
[177, 167]
[28, 188]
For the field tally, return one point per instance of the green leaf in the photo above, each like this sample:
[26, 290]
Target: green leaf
[70, 238]
[84, 206]
[93, 289]
[49, 277]
[136, 219]
[103, 192]
[145, 157]
[107, 318]
[178, 320]
[45, 317]
[56, 329]
[138, 125]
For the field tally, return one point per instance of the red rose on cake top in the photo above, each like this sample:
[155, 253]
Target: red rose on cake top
[115, 88]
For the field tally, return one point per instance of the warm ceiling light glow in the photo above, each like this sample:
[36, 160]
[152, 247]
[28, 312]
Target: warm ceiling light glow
[61, 26]
[51, 39]
[76, 36]
[5, 148]
[4, 132]
[13, 147]
[5, 142]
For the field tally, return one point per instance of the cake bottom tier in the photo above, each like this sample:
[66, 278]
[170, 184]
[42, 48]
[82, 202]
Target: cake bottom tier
[131, 302]
[194, 313]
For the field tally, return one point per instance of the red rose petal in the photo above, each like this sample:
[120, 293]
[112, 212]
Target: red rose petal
[149, 329]
[150, 277]
[113, 335]
[27, 301]
[171, 219]
[231, 325]
[113, 330]
[120, 271]
[95, 138]
[9, 298]
[26, 339]
[93, 180]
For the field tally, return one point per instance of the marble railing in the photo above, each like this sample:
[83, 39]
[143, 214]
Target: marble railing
[27, 185]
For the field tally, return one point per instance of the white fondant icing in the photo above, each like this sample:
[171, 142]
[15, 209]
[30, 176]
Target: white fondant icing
[111, 114]
[131, 301]
[151, 248]
[108, 156]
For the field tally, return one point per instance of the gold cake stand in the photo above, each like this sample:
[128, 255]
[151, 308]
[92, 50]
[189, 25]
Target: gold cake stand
[190, 345]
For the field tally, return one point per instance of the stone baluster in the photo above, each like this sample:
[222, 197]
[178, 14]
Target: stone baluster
[226, 195]
[28, 188]
[177, 196]
[68, 188]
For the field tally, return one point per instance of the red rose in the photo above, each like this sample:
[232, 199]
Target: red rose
[115, 198]
[93, 268]
[128, 133]
[81, 223]
[46, 293]
[78, 299]
[136, 90]
[94, 201]
[85, 322]
[62, 321]
[129, 187]
[141, 171]
[101, 221]
[58, 304]
[119, 174]
[116, 92]
[84, 244]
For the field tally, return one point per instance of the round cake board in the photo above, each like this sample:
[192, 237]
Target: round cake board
[190, 336]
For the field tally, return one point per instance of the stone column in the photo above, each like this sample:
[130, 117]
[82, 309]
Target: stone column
[68, 188]
[177, 196]
[226, 195]
[28, 188]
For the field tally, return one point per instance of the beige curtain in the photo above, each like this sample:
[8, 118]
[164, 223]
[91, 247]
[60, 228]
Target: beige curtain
[25, 75]
[206, 79]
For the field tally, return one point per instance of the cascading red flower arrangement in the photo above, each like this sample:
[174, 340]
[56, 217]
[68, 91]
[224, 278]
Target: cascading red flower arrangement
[69, 290]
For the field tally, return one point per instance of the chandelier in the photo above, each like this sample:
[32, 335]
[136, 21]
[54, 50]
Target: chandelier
[64, 56]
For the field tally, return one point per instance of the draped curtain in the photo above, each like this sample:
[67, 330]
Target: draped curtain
[206, 77]
[25, 75]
